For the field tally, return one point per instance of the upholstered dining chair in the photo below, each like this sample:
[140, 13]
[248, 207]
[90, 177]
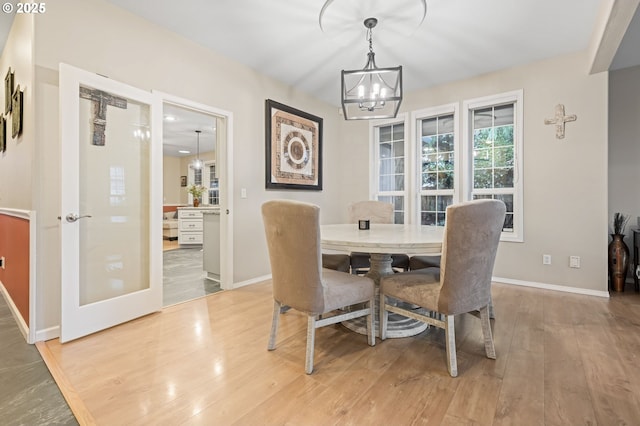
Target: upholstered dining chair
[375, 212]
[462, 284]
[336, 261]
[433, 261]
[423, 261]
[292, 229]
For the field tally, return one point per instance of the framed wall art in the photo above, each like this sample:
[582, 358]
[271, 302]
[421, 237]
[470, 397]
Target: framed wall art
[16, 112]
[293, 148]
[8, 91]
[183, 181]
[3, 134]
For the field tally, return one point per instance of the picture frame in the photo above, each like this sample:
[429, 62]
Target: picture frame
[293, 148]
[8, 90]
[16, 112]
[3, 134]
[183, 181]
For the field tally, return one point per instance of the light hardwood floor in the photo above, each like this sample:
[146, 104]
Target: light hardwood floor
[562, 359]
[170, 245]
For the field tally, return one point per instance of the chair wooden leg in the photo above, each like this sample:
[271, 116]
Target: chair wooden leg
[492, 314]
[311, 339]
[486, 332]
[274, 326]
[450, 334]
[383, 317]
[371, 324]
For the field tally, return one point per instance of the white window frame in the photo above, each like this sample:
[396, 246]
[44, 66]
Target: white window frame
[515, 97]
[416, 139]
[191, 177]
[374, 154]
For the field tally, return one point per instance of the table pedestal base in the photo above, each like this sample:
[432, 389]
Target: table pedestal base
[397, 325]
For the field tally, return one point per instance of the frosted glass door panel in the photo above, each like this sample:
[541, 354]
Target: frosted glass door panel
[110, 203]
[114, 188]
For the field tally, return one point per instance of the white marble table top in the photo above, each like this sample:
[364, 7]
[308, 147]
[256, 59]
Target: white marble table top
[382, 238]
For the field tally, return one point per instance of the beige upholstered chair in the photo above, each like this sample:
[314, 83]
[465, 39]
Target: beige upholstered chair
[375, 212]
[428, 261]
[463, 282]
[293, 237]
[337, 261]
[422, 261]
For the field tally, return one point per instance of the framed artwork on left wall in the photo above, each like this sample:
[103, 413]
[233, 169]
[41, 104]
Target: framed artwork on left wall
[3, 134]
[293, 148]
[8, 91]
[16, 112]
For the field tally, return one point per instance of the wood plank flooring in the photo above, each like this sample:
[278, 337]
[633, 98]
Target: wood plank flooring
[563, 359]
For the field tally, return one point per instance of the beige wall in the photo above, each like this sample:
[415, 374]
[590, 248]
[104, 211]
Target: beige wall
[624, 147]
[16, 163]
[173, 168]
[98, 37]
[171, 173]
[565, 181]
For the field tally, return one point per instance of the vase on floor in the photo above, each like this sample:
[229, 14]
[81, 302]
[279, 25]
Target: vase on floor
[196, 202]
[618, 262]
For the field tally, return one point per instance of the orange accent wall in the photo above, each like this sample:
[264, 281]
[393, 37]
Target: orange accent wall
[14, 246]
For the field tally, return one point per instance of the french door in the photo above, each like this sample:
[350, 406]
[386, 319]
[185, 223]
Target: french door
[110, 203]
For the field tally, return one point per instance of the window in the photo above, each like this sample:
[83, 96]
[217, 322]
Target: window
[436, 143]
[439, 168]
[206, 176]
[494, 148]
[390, 174]
[197, 176]
[212, 188]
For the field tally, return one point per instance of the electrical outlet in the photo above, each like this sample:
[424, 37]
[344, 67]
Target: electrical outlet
[546, 259]
[574, 261]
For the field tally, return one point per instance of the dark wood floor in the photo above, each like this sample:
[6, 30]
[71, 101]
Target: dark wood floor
[563, 359]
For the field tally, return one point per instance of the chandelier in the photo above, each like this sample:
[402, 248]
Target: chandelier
[372, 92]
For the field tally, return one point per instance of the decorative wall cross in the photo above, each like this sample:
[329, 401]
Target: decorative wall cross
[100, 101]
[559, 120]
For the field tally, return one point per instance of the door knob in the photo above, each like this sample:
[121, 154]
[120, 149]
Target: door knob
[72, 217]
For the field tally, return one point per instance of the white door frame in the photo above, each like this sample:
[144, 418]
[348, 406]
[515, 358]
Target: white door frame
[79, 320]
[224, 164]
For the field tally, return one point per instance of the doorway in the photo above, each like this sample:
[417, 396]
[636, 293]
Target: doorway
[195, 138]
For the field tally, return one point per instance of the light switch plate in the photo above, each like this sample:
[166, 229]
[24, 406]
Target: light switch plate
[574, 261]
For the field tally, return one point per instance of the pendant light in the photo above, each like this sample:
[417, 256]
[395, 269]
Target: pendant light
[372, 92]
[197, 162]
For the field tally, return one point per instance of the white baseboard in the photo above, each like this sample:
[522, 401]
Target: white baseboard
[22, 325]
[252, 281]
[48, 334]
[554, 287]
[522, 283]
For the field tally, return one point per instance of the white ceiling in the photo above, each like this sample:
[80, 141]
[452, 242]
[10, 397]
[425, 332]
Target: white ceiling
[179, 132]
[458, 38]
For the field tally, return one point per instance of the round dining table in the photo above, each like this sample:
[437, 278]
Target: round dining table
[381, 241]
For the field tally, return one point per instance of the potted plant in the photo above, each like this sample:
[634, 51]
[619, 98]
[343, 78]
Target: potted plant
[196, 191]
[618, 253]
